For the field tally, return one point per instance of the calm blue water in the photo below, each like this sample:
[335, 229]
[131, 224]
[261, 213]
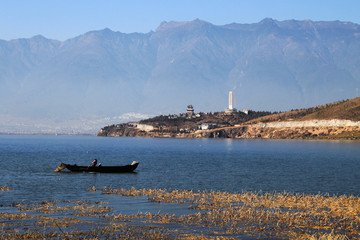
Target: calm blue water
[27, 164]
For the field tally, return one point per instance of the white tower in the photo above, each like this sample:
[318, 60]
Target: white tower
[230, 101]
[231, 108]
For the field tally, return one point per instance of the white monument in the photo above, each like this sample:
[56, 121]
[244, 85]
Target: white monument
[230, 109]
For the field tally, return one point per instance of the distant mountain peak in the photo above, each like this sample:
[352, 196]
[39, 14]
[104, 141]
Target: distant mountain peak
[103, 32]
[39, 37]
[267, 20]
[168, 25]
[173, 24]
[269, 23]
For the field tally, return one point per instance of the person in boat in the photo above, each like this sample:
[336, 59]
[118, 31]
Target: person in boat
[93, 164]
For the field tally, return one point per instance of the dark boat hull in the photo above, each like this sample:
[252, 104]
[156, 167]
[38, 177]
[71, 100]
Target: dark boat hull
[103, 169]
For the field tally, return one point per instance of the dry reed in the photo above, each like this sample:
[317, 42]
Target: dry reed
[52, 223]
[4, 188]
[280, 215]
[214, 215]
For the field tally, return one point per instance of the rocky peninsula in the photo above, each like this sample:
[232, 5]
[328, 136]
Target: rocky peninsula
[340, 120]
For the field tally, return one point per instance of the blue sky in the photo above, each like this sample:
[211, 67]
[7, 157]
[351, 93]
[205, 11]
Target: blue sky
[64, 19]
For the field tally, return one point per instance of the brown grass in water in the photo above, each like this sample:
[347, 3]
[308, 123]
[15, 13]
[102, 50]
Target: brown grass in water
[4, 188]
[78, 208]
[281, 215]
[88, 222]
[217, 215]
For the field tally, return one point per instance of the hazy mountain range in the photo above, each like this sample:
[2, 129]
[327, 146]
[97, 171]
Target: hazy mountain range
[105, 77]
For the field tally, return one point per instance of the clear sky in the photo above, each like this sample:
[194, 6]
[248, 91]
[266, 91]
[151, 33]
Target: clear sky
[64, 19]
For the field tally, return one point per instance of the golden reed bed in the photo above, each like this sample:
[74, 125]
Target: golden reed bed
[215, 215]
[281, 215]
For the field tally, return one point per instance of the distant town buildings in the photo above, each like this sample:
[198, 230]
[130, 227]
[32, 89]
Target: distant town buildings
[132, 123]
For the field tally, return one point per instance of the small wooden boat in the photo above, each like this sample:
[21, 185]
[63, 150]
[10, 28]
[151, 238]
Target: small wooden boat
[101, 169]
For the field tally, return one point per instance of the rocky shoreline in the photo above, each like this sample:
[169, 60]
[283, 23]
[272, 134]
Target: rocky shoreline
[314, 129]
[254, 132]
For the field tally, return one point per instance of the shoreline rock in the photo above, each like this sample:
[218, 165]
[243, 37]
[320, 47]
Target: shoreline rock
[314, 129]
[311, 123]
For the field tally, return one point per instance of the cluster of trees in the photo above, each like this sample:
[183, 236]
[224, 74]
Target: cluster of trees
[183, 124]
[219, 118]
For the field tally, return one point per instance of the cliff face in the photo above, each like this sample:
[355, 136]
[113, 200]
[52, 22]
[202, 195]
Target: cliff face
[121, 130]
[253, 132]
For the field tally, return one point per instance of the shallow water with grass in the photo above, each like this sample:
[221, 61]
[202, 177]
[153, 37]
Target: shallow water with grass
[224, 165]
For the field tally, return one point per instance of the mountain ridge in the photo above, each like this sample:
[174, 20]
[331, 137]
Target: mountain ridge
[270, 65]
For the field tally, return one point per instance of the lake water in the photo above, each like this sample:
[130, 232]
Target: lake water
[27, 164]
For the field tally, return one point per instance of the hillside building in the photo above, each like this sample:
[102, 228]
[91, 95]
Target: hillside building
[190, 111]
[206, 126]
[145, 127]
